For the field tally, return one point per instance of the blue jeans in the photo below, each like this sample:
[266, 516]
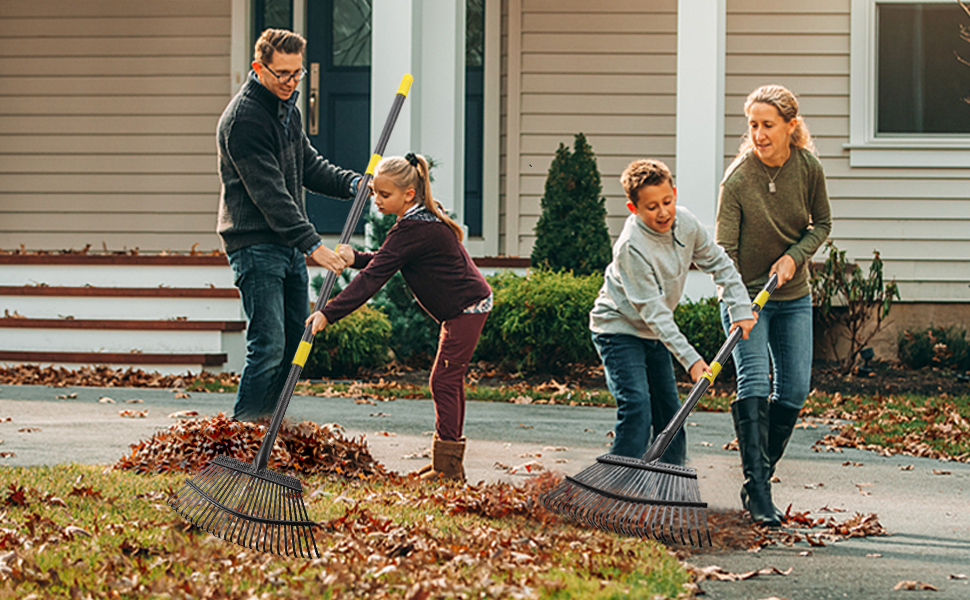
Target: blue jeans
[782, 339]
[273, 284]
[640, 375]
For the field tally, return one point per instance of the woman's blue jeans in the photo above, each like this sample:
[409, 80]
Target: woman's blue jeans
[779, 344]
[274, 287]
[640, 375]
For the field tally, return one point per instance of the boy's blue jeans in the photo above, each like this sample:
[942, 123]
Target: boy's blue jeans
[273, 284]
[640, 375]
[782, 342]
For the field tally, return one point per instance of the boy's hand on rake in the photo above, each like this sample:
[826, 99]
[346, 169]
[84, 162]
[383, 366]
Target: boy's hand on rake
[699, 369]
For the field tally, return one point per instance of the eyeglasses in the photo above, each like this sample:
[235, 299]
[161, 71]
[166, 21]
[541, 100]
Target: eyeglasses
[285, 79]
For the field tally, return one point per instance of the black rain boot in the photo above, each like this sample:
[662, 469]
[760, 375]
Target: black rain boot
[756, 491]
[781, 423]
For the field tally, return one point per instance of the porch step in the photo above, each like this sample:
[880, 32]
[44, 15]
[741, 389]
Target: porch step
[187, 361]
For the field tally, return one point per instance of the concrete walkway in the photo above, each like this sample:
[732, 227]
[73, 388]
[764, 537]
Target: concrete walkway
[927, 514]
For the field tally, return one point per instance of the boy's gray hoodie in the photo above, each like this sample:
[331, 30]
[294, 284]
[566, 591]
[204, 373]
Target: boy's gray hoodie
[645, 281]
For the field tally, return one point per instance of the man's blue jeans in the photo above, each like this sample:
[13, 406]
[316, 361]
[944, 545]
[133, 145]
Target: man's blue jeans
[273, 284]
[640, 375]
[781, 341]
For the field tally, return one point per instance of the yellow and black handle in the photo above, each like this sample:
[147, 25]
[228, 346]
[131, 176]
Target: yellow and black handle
[656, 450]
[360, 203]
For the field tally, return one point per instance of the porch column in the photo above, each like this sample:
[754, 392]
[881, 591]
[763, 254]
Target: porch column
[427, 39]
[700, 114]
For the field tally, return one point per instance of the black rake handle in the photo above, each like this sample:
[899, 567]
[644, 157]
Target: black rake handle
[360, 202]
[656, 450]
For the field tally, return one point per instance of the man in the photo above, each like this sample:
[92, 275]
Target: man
[265, 161]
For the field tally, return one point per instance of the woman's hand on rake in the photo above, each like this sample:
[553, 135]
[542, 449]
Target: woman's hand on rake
[328, 259]
[318, 320]
[745, 324]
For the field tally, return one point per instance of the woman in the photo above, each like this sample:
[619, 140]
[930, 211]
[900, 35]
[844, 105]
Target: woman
[773, 214]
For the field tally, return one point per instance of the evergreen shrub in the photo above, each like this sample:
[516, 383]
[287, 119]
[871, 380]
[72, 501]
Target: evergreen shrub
[571, 234]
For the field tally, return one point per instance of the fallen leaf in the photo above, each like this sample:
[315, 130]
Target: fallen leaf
[134, 401]
[183, 414]
[105, 400]
[915, 585]
[133, 414]
[941, 472]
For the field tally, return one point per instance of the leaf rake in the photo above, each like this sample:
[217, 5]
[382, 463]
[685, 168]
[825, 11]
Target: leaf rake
[246, 503]
[644, 497]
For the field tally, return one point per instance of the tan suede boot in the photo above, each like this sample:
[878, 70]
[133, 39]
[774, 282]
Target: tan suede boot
[446, 460]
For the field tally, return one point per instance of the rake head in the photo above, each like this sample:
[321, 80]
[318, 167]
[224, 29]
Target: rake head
[632, 497]
[260, 510]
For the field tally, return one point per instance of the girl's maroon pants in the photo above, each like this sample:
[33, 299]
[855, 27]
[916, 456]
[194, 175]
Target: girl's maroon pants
[455, 347]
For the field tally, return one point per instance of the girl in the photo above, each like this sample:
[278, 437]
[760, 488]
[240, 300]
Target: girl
[425, 245]
[773, 214]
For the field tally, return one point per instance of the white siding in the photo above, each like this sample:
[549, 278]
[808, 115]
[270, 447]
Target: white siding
[606, 69]
[108, 110]
[918, 219]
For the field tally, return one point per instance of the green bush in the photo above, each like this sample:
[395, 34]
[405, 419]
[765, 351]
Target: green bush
[540, 322]
[945, 347]
[571, 234]
[700, 322]
[359, 340]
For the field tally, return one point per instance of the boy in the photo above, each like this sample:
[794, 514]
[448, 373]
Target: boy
[632, 320]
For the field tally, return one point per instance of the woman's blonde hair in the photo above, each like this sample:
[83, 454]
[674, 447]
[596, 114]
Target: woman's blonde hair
[405, 175]
[787, 106]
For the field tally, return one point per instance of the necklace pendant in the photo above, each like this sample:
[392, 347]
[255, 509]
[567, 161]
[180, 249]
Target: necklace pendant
[771, 187]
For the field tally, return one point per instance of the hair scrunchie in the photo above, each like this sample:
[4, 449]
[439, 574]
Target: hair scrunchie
[411, 158]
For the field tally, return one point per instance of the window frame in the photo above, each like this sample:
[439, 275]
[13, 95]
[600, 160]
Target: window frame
[866, 148]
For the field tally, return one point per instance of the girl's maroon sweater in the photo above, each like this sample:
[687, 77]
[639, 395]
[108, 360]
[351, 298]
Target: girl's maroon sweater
[434, 264]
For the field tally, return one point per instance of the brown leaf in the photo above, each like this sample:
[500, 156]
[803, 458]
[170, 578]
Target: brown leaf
[914, 585]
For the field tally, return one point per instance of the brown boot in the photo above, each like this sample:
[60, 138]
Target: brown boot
[446, 460]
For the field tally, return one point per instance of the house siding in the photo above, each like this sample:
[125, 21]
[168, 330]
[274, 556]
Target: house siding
[918, 218]
[606, 69]
[108, 110]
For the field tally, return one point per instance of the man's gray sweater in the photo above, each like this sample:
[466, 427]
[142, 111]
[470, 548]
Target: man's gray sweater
[265, 161]
[645, 281]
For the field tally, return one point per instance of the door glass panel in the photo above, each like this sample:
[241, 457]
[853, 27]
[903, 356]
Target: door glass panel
[271, 14]
[475, 33]
[351, 33]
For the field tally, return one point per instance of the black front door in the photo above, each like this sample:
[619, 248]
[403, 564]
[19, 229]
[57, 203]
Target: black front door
[338, 97]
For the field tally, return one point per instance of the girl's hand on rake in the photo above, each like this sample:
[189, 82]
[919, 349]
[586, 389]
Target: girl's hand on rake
[346, 253]
[698, 370]
[319, 321]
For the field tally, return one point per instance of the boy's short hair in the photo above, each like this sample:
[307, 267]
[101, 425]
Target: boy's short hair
[642, 173]
[278, 40]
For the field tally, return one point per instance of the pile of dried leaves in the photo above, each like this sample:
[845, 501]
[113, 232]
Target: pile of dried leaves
[943, 422]
[304, 448]
[104, 376]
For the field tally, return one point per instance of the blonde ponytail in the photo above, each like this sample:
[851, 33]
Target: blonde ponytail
[412, 171]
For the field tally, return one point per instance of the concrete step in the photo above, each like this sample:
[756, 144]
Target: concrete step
[124, 337]
[166, 363]
[121, 302]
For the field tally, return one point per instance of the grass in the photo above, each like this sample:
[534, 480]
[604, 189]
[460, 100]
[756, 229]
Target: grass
[378, 540]
[933, 426]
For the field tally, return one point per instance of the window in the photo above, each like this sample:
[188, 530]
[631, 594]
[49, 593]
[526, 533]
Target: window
[908, 89]
[921, 85]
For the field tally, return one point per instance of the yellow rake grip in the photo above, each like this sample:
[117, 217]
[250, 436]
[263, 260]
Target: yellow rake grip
[372, 164]
[715, 369]
[405, 85]
[761, 298]
[302, 352]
